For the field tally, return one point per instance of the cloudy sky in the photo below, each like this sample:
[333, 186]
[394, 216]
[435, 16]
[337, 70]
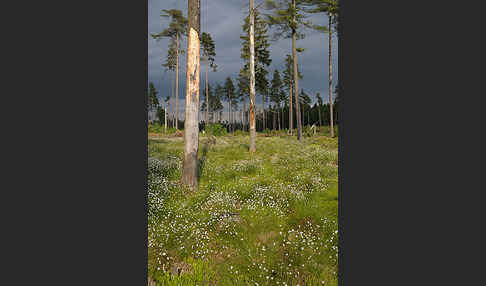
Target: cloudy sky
[223, 20]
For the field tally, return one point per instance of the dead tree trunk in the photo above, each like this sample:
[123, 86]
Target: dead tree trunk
[191, 128]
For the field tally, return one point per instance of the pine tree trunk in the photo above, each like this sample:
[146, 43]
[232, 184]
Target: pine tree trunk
[263, 109]
[320, 121]
[165, 120]
[191, 128]
[177, 85]
[229, 114]
[173, 101]
[291, 118]
[273, 119]
[296, 79]
[207, 95]
[244, 116]
[330, 75]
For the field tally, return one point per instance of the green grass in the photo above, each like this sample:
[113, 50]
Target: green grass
[268, 218]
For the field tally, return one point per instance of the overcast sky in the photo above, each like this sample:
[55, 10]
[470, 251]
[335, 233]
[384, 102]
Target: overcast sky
[223, 19]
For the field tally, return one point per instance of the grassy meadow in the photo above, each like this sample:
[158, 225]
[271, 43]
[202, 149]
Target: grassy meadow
[264, 219]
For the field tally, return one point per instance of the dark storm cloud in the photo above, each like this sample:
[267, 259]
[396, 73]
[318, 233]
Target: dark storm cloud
[223, 20]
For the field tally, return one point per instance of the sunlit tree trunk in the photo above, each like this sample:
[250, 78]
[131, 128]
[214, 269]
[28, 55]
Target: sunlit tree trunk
[330, 75]
[191, 128]
[252, 79]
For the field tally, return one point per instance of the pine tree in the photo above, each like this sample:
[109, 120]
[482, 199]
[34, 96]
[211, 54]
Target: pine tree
[257, 81]
[276, 93]
[288, 81]
[229, 92]
[319, 106]
[177, 28]
[331, 8]
[153, 101]
[218, 95]
[170, 65]
[288, 18]
[209, 53]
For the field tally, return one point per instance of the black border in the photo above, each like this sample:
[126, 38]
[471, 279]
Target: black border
[79, 153]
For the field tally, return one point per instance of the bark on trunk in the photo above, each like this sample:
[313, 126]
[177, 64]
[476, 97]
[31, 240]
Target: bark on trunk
[207, 93]
[252, 79]
[291, 118]
[191, 128]
[330, 76]
[229, 115]
[177, 85]
[296, 79]
[173, 101]
[165, 119]
[263, 112]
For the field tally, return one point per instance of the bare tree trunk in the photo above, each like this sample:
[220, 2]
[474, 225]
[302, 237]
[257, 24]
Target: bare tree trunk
[296, 78]
[191, 128]
[320, 121]
[165, 120]
[252, 79]
[207, 94]
[173, 101]
[291, 118]
[278, 117]
[330, 75]
[177, 86]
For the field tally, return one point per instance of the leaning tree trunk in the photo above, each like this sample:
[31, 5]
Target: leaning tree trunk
[330, 76]
[291, 118]
[191, 128]
[207, 94]
[296, 78]
[177, 85]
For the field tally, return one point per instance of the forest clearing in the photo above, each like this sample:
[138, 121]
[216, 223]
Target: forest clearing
[263, 218]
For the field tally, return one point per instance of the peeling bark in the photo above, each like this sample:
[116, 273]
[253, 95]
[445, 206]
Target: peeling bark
[252, 79]
[191, 128]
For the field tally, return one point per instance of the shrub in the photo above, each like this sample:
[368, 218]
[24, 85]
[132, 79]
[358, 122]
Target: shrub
[155, 128]
[215, 130]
